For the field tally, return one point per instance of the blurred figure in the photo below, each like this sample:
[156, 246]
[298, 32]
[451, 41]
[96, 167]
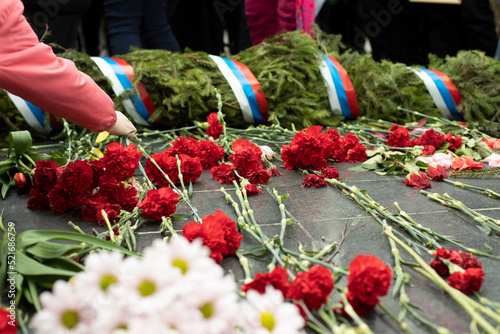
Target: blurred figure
[91, 25]
[56, 21]
[139, 23]
[270, 17]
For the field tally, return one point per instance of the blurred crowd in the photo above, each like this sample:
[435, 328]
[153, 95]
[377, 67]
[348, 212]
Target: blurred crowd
[398, 30]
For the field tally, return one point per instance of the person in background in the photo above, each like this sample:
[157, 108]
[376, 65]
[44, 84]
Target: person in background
[270, 17]
[31, 70]
[56, 22]
[138, 23]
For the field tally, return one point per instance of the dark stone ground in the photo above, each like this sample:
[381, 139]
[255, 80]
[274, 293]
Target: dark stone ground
[321, 215]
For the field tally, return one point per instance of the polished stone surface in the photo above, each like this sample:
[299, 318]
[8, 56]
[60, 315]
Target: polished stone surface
[321, 215]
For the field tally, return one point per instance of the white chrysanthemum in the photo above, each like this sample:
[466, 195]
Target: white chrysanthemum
[64, 312]
[146, 285]
[102, 272]
[147, 325]
[187, 259]
[269, 313]
[212, 306]
[111, 319]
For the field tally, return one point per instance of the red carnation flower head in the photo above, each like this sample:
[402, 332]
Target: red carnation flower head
[330, 172]
[394, 127]
[215, 129]
[418, 181]
[93, 206]
[310, 148]
[188, 146]
[62, 199]
[356, 154]
[466, 163]
[369, 278]
[455, 142]
[121, 162]
[467, 282]
[290, 157]
[428, 150]
[314, 181]
[77, 177]
[247, 156]
[437, 173]
[223, 173]
[159, 203]
[190, 168]
[312, 286]
[431, 137]
[8, 322]
[252, 190]
[167, 164]
[278, 278]
[440, 267]
[45, 175]
[257, 176]
[399, 138]
[209, 153]
[39, 199]
[218, 233]
[20, 180]
[442, 253]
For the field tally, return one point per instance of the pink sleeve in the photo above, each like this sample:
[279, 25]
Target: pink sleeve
[32, 71]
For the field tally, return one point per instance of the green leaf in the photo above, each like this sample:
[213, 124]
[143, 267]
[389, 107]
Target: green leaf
[59, 158]
[50, 250]
[471, 142]
[489, 249]
[37, 156]
[20, 141]
[483, 149]
[357, 169]
[5, 188]
[32, 237]
[65, 264]
[30, 267]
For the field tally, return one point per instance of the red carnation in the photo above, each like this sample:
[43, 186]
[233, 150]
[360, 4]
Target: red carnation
[39, 200]
[418, 181]
[92, 209]
[428, 150]
[312, 286]
[185, 146]
[190, 168]
[77, 177]
[289, 155]
[209, 153]
[45, 175]
[223, 173]
[360, 307]
[278, 278]
[8, 322]
[455, 142]
[314, 181]
[258, 176]
[437, 173]
[167, 163]
[356, 154]
[247, 156]
[215, 129]
[442, 253]
[440, 267]
[252, 190]
[312, 148]
[467, 282]
[466, 163]
[159, 203]
[330, 172]
[399, 138]
[218, 233]
[61, 199]
[121, 162]
[431, 137]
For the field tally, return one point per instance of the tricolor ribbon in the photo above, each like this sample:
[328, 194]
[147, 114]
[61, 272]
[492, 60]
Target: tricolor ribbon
[140, 106]
[341, 93]
[246, 88]
[34, 116]
[443, 91]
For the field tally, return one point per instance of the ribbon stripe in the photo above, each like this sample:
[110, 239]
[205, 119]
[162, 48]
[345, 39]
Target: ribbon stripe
[246, 88]
[340, 90]
[120, 82]
[442, 90]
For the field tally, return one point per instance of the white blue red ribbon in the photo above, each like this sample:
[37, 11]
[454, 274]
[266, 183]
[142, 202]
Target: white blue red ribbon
[246, 88]
[443, 91]
[140, 106]
[339, 87]
[34, 116]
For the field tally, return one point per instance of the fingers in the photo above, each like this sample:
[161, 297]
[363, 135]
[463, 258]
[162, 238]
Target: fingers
[123, 126]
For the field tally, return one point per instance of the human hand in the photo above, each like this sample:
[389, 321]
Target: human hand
[123, 126]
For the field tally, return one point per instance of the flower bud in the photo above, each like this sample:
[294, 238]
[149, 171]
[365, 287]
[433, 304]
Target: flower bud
[273, 171]
[20, 180]
[267, 152]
